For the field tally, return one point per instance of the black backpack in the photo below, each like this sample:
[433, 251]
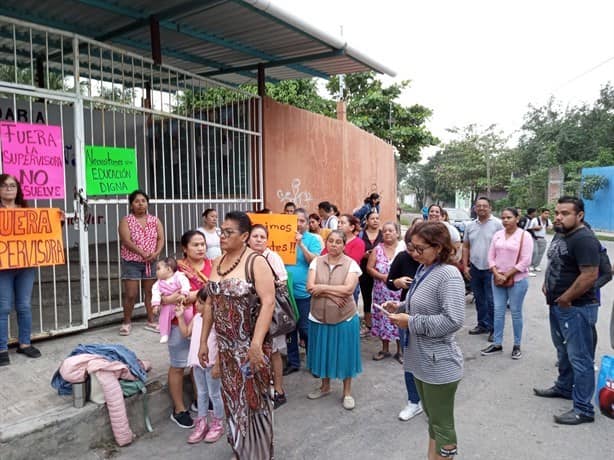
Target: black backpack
[605, 268]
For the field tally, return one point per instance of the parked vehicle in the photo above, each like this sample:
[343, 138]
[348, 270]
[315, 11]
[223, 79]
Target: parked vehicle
[459, 218]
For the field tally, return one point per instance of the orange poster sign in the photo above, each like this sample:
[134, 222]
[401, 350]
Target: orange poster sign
[282, 234]
[30, 237]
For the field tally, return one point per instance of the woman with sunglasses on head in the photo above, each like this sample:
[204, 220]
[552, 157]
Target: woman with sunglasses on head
[240, 303]
[432, 312]
[15, 284]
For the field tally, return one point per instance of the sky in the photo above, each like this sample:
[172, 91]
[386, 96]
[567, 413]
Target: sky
[478, 61]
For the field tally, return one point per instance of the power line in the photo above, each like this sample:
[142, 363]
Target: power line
[584, 73]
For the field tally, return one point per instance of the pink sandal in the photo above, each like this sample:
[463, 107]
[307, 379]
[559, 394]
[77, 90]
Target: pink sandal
[126, 329]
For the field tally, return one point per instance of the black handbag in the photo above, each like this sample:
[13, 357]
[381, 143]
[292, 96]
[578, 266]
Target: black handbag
[283, 321]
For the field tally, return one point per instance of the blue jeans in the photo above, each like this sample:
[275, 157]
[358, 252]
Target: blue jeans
[208, 390]
[573, 337]
[304, 305]
[481, 286]
[410, 385]
[16, 287]
[515, 296]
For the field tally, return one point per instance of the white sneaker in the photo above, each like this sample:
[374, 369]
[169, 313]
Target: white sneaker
[164, 339]
[537, 269]
[531, 269]
[531, 274]
[410, 411]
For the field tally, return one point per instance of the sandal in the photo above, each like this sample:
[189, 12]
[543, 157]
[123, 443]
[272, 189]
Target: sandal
[399, 358]
[381, 355]
[152, 327]
[125, 329]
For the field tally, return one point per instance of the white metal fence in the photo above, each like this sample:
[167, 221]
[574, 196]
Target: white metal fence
[198, 145]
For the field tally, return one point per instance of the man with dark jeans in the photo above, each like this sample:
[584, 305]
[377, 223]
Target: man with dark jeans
[477, 239]
[307, 248]
[569, 287]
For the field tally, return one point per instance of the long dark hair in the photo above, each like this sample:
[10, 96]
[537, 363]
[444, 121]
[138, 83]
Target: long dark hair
[19, 200]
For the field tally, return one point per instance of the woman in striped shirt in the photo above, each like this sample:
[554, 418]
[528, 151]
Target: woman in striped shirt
[432, 312]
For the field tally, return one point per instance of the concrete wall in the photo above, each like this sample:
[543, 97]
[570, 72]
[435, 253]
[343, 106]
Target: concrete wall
[599, 210]
[311, 158]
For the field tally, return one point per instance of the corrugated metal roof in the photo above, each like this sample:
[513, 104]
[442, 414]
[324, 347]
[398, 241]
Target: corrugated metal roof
[223, 39]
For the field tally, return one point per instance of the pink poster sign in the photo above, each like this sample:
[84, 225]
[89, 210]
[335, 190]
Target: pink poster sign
[35, 156]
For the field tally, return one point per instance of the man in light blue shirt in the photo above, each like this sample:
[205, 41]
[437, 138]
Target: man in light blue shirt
[308, 247]
[477, 238]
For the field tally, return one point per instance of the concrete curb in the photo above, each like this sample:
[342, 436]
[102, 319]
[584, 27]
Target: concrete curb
[68, 432]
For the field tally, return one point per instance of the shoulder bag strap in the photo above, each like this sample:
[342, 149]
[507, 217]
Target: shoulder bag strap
[520, 248]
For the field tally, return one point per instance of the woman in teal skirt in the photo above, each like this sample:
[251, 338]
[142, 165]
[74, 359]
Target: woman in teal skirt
[334, 327]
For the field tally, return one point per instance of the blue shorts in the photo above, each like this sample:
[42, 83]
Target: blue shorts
[137, 270]
[178, 348]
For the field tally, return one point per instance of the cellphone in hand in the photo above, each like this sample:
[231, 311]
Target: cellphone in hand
[380, 308]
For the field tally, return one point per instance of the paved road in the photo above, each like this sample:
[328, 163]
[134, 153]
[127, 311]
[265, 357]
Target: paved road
[497, 415]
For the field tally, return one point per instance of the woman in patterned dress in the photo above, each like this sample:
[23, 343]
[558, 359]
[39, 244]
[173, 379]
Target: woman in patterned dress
[239, 278]
[378, 267]
[141, 236]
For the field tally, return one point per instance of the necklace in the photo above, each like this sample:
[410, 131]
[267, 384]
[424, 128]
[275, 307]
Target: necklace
[233, 266]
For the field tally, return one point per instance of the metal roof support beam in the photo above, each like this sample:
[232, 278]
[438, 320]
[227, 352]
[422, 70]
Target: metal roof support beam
[261, 81]
[278, 63]
[154, 33]
[183, 9]
[194, 33]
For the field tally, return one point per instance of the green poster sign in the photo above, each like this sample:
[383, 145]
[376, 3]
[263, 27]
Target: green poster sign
[110, 170]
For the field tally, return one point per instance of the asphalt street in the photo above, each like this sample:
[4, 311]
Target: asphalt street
[497, 415]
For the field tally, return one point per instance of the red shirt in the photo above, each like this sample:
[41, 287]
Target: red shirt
[197, 281]
[355, 249]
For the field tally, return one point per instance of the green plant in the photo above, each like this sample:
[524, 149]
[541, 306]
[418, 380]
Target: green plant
[591, 184]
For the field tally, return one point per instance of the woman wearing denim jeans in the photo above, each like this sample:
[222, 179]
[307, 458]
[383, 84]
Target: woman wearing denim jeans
[509, 256]
[15, 284]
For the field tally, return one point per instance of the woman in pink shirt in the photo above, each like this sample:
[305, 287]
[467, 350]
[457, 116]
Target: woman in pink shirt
[509, 258]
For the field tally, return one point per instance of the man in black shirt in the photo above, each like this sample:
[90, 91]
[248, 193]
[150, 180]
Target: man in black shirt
[573, 265]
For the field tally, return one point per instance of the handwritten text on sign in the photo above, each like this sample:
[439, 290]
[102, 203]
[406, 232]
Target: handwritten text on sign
[30, 237]
[35, 156]
[110, 170]
[282, 234]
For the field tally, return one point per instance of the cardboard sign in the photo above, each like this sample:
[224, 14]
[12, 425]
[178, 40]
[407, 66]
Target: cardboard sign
[110, 170]
[30, 237]
[282, 234]
[35, 156]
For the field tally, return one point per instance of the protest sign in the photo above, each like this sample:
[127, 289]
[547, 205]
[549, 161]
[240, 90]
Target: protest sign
[282, 234]
[35, 156]
[110, 170]
[30, 237]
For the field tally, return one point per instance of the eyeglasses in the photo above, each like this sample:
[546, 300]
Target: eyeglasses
[226, 232]
[9, 186]
[418, 249]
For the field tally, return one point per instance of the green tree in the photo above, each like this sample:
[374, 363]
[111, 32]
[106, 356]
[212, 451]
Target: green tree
[376, 109]
[476, 160]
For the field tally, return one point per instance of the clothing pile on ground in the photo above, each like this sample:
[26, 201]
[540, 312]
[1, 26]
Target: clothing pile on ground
[108, 363]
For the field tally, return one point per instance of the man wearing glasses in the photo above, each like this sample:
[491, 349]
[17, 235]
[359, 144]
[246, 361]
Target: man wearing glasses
[477, 239]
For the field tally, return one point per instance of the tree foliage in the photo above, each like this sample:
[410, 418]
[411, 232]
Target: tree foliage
[477, 159]
[376, 109]
[370, 106]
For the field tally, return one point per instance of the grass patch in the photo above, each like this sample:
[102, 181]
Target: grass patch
[605, 238]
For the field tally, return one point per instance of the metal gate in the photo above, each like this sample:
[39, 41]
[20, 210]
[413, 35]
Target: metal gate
[197, 142]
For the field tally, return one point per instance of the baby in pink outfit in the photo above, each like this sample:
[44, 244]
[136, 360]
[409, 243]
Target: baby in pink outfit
[169, 282]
